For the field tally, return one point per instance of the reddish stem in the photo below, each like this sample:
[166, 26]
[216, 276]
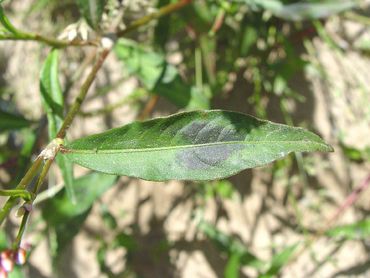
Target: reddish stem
[350, 200]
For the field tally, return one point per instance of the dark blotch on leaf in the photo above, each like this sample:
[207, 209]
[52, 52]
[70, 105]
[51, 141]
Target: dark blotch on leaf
[209, 132]
[203, 157]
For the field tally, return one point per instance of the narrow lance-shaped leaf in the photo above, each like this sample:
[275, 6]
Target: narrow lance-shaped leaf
[158, 76]
[358, 230]
[53, 103]
[92, 11]
[303, 11]
[67, 218]
[51, 93]
[6, 23]
[279, 261]
[198, 145]
[237, 251]
[9, 121]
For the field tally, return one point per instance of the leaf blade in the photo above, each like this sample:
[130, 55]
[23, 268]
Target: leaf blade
[51, 93]
[67, 218]
[198, 145]
[357, 230]
[92, 11]
[158, 76]
[306, 10]
[53, 103]
[11, 121]
[6, 23]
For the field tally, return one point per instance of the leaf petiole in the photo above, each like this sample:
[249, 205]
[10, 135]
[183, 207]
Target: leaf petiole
[17, 193]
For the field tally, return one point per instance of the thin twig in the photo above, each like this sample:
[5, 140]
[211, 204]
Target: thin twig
[81, 96]
[26, 214]
[148, 109]
[47, 40]
[218, 22]
[22, 185]
[110, 107]
[160, 13]
[349, 201]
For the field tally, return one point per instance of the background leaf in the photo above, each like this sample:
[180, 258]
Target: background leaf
[279, 260]
[358, 230]
[304, 10]
[67, 218]
[199, 145]
[53, 103]
[238, 253]
[158, 76]
[92, 11]
[11, 121]
[6, 22]
[51, 93]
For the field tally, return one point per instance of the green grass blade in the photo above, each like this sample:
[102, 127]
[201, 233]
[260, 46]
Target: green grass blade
[358, 230]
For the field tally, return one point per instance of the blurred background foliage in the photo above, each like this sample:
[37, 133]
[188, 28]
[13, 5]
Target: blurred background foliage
[255, 56]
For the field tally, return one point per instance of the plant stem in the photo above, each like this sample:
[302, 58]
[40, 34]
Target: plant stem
[26, 214]
[110, 107]
[349, 201]
[149, 107]
[82, 95]
[65, 43]
[357, 17]
[161, 12]
[22, 185]
[19, 193]
[42, 176]
[47, 40]
[21, 230]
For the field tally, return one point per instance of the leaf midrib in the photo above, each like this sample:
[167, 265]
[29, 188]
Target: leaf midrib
[112, 151]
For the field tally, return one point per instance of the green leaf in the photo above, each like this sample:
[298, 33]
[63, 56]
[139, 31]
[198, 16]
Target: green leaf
[198, 145]
[219, 188]
[356, 155]
[53, 103]
[248, 39]
[4, 242]
[92, 11]
[158, 76]
[304, 10]
[358, 230]
[127, 241]
[51, 93]
[29, 140]
[11, 122]
[17, 272]
[6, 23]
[66, 217]
[279, 260]
[236, 250]
[162, 29]
[233, 266]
